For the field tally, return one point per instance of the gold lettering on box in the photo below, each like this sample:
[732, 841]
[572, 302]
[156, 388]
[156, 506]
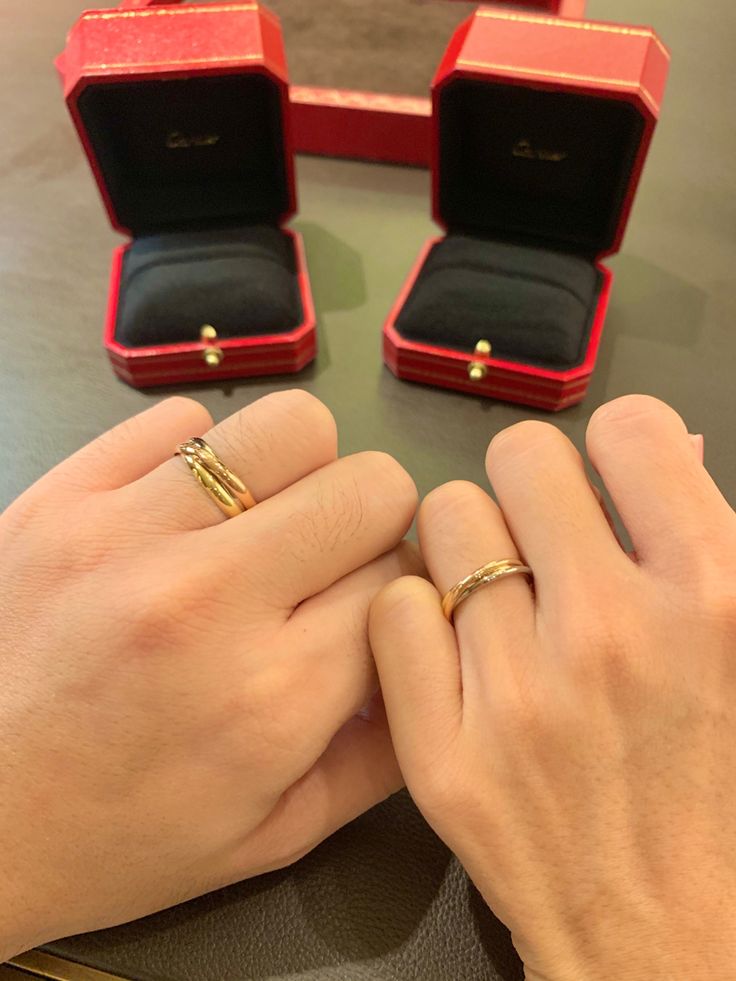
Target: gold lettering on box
[526, 150]
[182, 141]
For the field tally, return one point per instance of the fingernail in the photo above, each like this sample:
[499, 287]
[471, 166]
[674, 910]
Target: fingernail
[698, 444]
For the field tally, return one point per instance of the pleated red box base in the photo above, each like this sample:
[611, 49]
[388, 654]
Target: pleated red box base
[139, 51]
[543, 56]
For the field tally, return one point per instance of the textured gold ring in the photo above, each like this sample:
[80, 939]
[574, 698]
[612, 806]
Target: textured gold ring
[491, 572]
[227, 491]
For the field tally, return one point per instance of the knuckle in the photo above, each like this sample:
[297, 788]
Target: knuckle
[181, 405]
[344, 507]
[520, 440]
[165, 611]
[396, 602]
[334, 516]
[388, 476]
[265, 428]
[22, 516]
[434, 781]
[273, 711]
[603, 653]
[451, 505]
[151, 622]
[718, 600]
[246, 436]
[520, 713]
[631, 414]
[307, 417]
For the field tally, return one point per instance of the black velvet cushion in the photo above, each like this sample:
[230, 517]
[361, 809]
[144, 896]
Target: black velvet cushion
[242, 281]
[534, 305]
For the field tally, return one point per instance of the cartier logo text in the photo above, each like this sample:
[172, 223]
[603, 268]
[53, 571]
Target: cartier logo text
[183, 141]
[527, 150]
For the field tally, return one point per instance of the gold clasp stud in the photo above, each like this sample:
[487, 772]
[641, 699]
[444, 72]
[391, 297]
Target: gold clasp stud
[212, 354]
[477, 370]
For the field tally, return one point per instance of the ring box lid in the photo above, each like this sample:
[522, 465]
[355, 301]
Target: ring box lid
[542, 127]
[183, 113]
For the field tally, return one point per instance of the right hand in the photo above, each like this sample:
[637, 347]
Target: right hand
[575, 743]
[180, 693]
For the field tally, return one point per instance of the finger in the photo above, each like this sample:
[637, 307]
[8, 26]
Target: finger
[664, 496]
[698, 445]
[270, 444]
[318, 530]
[460, 530]
[356, 772]
[131, 449]
[606, 512]
[326, 642]
[419, 669]
[550, 509]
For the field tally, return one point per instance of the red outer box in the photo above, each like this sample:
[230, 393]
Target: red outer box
[108, 47]
[602, 61]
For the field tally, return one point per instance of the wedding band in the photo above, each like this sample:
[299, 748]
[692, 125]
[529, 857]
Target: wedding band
[491, 572]
[227, 491]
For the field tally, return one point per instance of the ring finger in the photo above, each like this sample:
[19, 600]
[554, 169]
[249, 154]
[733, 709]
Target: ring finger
[460, 530]
[269, 445]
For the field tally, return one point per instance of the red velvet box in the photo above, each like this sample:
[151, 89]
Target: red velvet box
[183, 113]
[541, 128]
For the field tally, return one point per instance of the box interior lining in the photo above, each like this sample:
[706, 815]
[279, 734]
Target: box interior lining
[183, 152]
[535, 165]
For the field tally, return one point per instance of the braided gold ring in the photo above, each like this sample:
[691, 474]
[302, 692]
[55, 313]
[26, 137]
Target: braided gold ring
[227, 491]
[491, 572]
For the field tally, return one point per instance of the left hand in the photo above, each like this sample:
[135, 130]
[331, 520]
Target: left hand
[575, 744]
[182, 697]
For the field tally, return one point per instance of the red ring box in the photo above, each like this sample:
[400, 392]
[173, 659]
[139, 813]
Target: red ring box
[183, 113]
[541, 128]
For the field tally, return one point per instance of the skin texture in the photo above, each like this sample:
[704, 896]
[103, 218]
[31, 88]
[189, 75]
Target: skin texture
[161, 665]
[575, 744]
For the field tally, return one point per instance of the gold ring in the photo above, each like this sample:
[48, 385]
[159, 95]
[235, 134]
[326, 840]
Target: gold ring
[227, 491]
[484, 576]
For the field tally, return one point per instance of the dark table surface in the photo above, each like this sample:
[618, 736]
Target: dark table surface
[671, 330]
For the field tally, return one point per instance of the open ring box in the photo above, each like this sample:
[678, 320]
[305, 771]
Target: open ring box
[184, 115]
[541, 127]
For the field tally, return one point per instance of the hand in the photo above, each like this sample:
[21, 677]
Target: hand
[576, 744]
[181, 695]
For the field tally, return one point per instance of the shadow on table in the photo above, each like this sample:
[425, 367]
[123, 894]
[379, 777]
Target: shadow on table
[381, 899]
[335, 270]
[648, 303]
